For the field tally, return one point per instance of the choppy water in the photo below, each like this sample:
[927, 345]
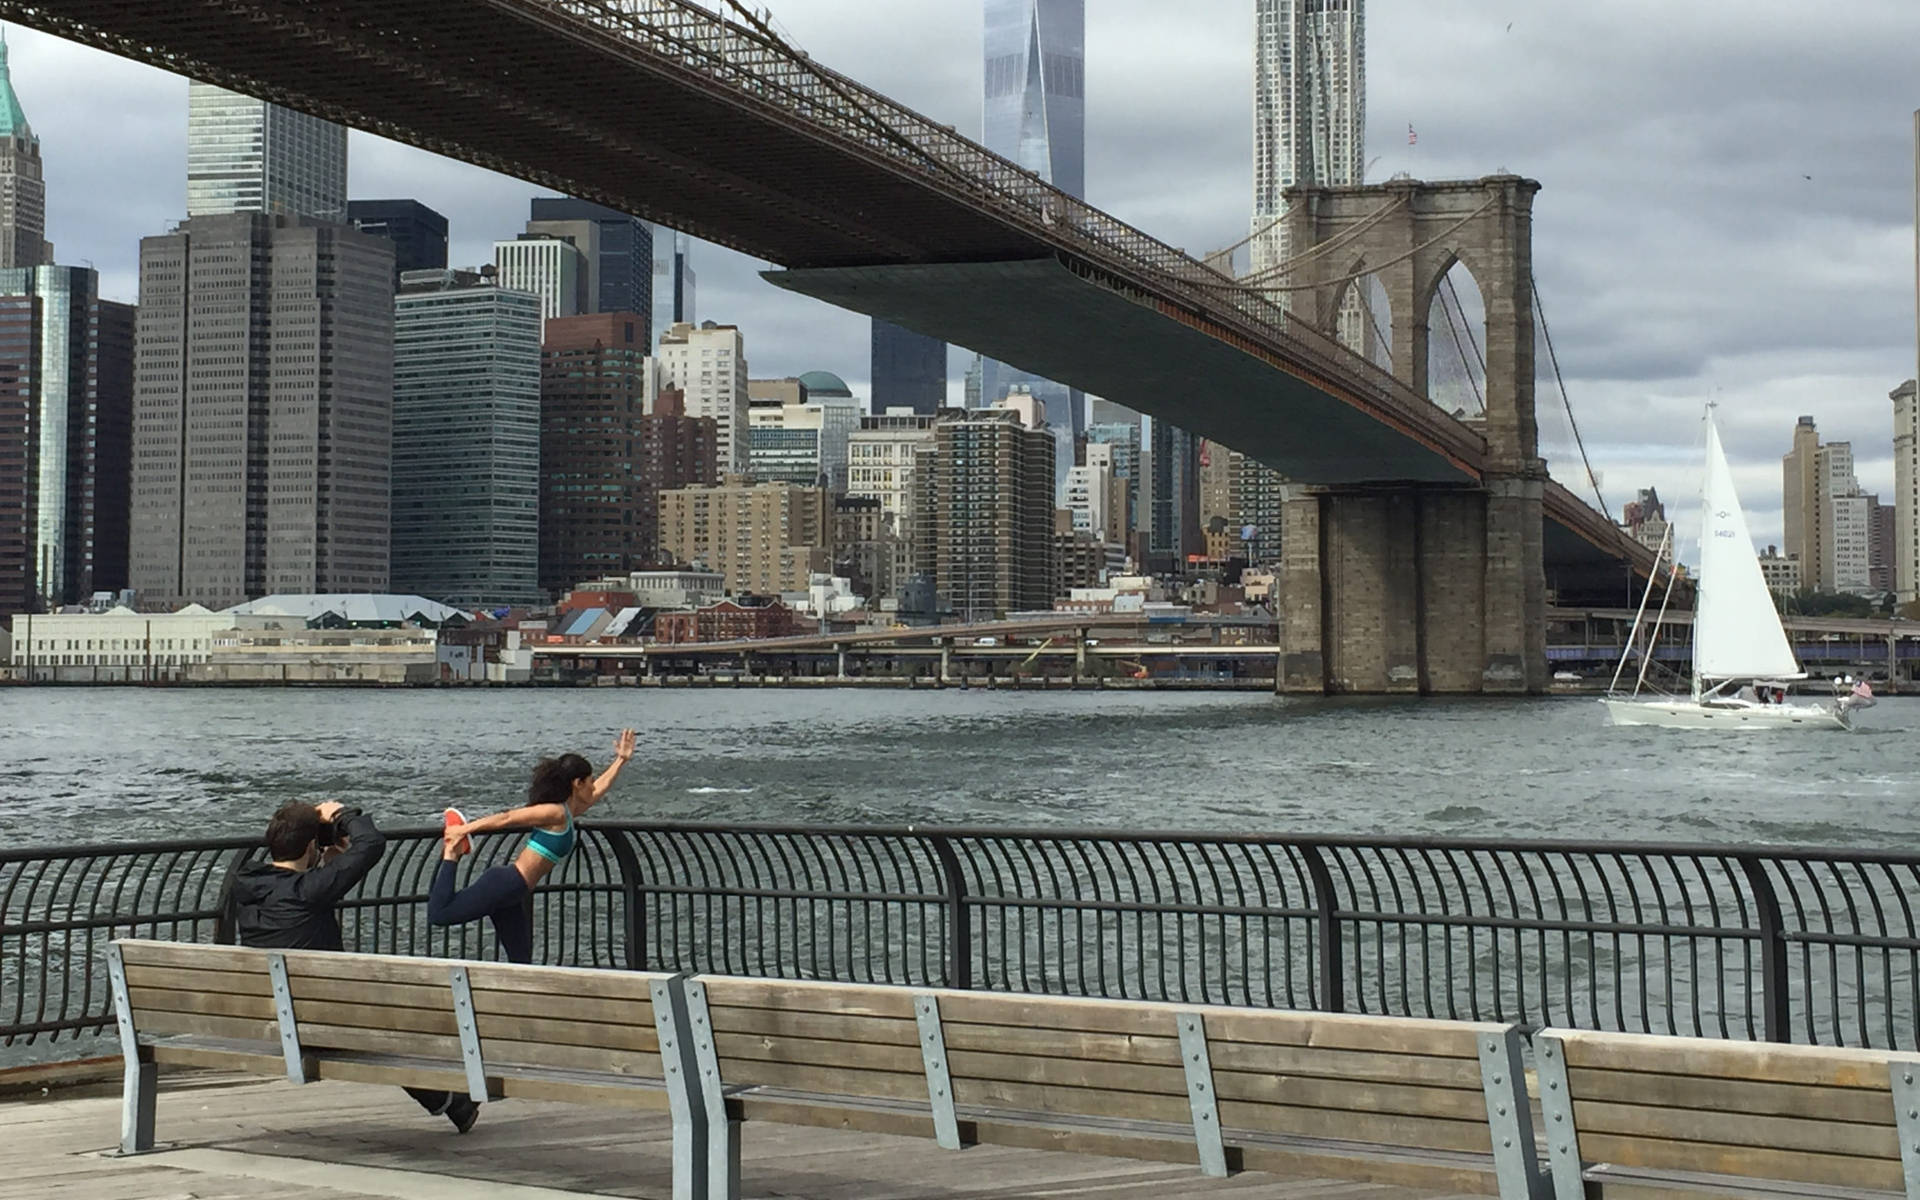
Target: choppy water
[88, 765]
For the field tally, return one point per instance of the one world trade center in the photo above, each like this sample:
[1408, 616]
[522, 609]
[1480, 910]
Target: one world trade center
[1036, 114]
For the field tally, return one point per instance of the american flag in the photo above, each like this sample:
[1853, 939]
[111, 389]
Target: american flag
[1413, 139]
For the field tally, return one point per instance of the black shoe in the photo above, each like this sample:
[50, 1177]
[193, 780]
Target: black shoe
[463, 1112]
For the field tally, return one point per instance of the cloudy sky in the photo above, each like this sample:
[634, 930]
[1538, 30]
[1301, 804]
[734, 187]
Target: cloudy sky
[1727, 209]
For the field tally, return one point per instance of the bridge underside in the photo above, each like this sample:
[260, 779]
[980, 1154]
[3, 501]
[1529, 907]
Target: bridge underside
[1055, 323]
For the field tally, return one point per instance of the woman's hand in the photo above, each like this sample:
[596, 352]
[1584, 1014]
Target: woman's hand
[623, 746]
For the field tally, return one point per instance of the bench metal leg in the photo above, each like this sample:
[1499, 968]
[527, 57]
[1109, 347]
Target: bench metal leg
[1509, 1119]
[1192, 1028]
[141, 1084]
[1564, 1167]
[933, 1055]
[722, 1131]
[682, 1076]
[1904, 1075]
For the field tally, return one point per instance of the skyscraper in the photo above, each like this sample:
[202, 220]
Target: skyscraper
[608, 446]
[466, 440]
[992, 514]
[1309, 108]
[263, 406]
[709, 366]
[246, 155]
[909, 370]
[673, 283]
[1035, 89]
[1800, 501]
[1906, 488]
[552, 268]
[66, 403]
[618, 249]
[23, 195]
[418, 234]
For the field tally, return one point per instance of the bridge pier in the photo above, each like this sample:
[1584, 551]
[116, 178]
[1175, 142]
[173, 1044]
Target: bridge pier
[1413, 590]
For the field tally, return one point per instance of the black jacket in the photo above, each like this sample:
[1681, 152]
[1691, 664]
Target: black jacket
[278, 909]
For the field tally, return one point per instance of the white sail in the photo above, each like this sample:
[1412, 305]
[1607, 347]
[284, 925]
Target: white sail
[1736, 630]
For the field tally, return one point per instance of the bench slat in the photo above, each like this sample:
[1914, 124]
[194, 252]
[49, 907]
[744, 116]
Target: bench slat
[598, 1010]
[1440, 1039]
[1069, 1101]
[1761, 1062]
[370, 1016]
[757, 1047]
[1352, 1096]
[1242, 1056]
[367, 968]
[227, 983]
[214, 1004]
[361, 991]
[1414, 1132]
[1313, 1062]
[775, 1022]
[497, 1052]
[1751, 1162]
[1857, 1105]
[631, 986]
[151, 1021]
[1647, 1119]
[825, 1080]
[816, 997]
[552, 1031]
[318, 1037]
[188, 955]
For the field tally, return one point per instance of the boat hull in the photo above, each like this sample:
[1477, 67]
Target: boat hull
[1689, 714]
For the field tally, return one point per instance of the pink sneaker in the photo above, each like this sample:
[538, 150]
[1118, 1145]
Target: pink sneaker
[449, 819]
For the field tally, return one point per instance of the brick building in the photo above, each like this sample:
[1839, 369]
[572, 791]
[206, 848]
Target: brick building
[610, 441]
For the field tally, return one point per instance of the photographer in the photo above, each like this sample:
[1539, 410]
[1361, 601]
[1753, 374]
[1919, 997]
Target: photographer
[318, 854]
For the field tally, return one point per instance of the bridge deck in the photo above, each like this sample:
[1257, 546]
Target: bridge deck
[231, 1140]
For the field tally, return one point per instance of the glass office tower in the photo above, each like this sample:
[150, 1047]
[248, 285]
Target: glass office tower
[246, 155]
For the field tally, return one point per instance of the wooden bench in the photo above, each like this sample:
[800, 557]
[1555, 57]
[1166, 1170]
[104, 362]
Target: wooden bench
[1664, 1117]
[1426, 1103]
[488, 1030]
[1440, 1104]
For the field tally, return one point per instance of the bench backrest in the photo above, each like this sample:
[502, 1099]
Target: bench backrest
[1413, 1085]
[1805, 1114]
[587, 1020]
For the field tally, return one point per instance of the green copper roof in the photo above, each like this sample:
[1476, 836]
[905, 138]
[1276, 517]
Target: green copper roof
[13, 121]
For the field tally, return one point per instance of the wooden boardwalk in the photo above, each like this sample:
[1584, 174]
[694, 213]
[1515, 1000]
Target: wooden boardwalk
[222, 1138]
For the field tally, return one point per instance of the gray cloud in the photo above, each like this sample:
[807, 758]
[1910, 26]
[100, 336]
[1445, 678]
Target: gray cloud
[1681, 251]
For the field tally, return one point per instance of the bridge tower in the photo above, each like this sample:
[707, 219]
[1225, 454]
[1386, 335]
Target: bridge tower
[1418, 587]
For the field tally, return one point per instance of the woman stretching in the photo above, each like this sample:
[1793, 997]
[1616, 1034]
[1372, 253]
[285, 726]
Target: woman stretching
[563, 788]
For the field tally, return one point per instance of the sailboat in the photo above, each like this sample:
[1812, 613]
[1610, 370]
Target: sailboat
[1740, 651]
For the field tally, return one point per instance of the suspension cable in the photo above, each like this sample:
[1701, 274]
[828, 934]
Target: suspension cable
[1337, 240]
[1465, 369]
[1565, 400]
[1436, 239]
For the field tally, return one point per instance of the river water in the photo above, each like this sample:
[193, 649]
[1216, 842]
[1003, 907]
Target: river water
[93, 765]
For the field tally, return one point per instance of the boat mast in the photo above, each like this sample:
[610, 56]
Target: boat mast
[1633, 634]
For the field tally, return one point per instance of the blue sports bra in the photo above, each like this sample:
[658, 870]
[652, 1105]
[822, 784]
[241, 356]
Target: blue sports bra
[554, 847]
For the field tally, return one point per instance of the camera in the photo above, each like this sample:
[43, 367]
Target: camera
[331, 833]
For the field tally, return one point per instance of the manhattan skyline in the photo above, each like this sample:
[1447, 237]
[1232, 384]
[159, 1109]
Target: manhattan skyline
[1715, 219]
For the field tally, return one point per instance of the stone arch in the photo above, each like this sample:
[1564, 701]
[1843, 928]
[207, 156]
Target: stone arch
[1413, 233]
[1361, 318]
[1455, 306]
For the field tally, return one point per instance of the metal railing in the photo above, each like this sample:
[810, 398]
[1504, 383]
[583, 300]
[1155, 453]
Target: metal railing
[1803, 945]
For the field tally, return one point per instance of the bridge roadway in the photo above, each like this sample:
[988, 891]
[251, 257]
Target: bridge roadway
[661, 109]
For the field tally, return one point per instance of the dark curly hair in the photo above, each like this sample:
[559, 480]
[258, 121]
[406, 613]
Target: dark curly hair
[553, 778]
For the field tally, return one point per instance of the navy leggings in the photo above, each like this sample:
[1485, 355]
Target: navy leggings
[497, 893]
